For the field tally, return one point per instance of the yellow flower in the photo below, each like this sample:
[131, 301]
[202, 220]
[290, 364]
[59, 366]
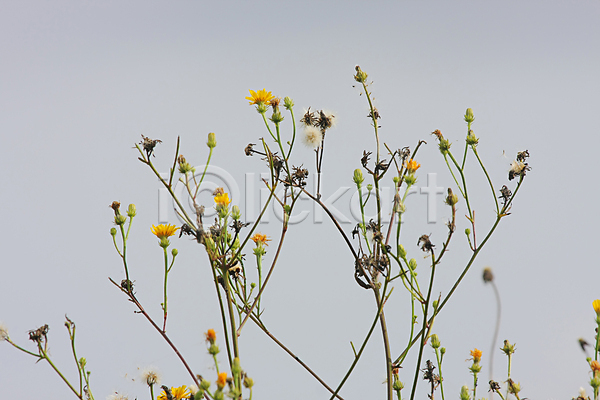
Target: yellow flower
[178, 393]
[595, 365]
[412, 166]
[476, 354]
[259, 239]
[222, 380]
[222, 199]
[164, 231]
[262, 96]
[211, 336]
[596, 305]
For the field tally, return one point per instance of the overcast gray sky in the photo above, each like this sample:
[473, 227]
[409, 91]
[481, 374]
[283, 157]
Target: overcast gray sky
[81, 81]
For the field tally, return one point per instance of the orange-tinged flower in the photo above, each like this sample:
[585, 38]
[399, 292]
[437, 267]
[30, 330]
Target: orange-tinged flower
[411, 165]
[164, 231]
[222, 380]
[222, 199]
[476, 354]
[259, 239]
[596, 305]
[261, 96]
[211, 336]
[181, 392]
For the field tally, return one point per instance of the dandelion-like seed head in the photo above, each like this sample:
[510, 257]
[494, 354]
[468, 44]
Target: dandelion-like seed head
[312, 137]
[412, 166]
[164, 231]
[151, 376]
[3, 332]
[117, 396]
[260, 97]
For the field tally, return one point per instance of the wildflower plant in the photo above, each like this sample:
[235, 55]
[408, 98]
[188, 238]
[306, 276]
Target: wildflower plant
[377, 254]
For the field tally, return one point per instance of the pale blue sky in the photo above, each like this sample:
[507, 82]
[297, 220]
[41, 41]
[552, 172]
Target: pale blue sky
[81, 81]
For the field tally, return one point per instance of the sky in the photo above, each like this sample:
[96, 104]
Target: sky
[80, 82]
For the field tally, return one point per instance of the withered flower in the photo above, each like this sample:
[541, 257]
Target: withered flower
[249, 150]
[309, 118]
[365, 158]
[36, 335]
[149, 144]
[505, 193]
[425, 243]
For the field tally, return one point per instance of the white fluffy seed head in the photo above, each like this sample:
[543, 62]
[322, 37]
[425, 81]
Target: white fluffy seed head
[312, 137]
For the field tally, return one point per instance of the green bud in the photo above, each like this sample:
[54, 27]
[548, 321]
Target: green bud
[222, 210]
[361, 76]
[236, 368]
[508, 348]
[235, 212]
[443, 350]
[401, 251]
[82, 362]
[595, 383]
[397, 386]
[219, 395]
[213, 349]
[412, 264]
[464, 393]
[435, 341]
[131, 211]
[435, 304]
[199, 395]
[369, 187]
[444, 145]
[212, 140]
[467, 231]
[358, 177]
[469, 117]
[472, 140]
[277, 117]
[513, 387]
[475, 368]
[113, 231]
[204, 384]
[252, 285]
[164, 242]
[248, 382]
[287, 209]
[396, 179]
[410, 179]
[452, 199]
[174, 252]
[261, 108]
[120, 219]
[288, 103]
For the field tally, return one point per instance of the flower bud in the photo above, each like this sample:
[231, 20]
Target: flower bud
[82, 362]
[174, 252]
[361, 76]
[435, 341]
[369, 187]
[248, 382]
[277, 117]
[410, 179]
[235, 212]
[288, 103]
[212, 140]
[397, 386]
[508, 348]
[444, 145]
[435, 304]
[358, 177]
[513, 387]
[464, 393]
[236, 368]
[469, 117]
[204, 384]
[452, 199]
[113, 231]
[412, 264]
[401, 251]
[443, 350]
[467, 231]
[131, 211]
[596, 306]
[120, 219]
[213, 349]
[472, 140]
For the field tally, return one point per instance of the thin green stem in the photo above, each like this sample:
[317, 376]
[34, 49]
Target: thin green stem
[165, 290]
[439, 361]
[45, 357]
[488, 179]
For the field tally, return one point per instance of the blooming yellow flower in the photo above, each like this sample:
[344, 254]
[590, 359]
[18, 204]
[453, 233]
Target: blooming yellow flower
[259, 239]
[476, 354]
[211, 336]
[222, 199]
[411, 165]
[261, 96]
[164, 231]
[181, 392]
[222, 380]
[596, 305]
[595, 365]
